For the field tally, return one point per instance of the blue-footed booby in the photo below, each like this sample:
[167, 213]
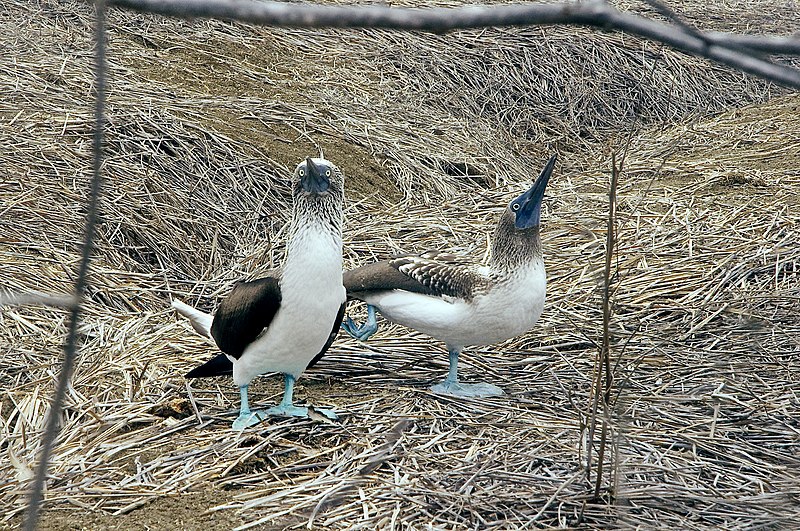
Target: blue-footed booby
[459, 303]
[285, 321]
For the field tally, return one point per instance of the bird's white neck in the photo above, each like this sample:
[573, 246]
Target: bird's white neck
[314, 251]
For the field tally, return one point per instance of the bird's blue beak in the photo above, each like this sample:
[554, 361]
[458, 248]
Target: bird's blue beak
[528, 207]
[315, 179]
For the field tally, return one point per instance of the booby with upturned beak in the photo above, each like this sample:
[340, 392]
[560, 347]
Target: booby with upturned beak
[286, 321]
[459, 303]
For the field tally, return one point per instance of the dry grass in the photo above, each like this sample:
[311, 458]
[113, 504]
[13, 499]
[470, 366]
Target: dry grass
[435, 134]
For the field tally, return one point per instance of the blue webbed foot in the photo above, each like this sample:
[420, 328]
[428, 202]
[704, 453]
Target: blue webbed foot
[364, 331]
[288, 410]
[476, 390]
[249, 418]
[452, 387]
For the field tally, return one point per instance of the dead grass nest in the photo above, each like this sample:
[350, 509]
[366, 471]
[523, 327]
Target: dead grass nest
[435, 133]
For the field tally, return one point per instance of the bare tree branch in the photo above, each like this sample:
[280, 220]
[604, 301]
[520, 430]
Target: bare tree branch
[768, 44]
[719, 47]
[747, 43]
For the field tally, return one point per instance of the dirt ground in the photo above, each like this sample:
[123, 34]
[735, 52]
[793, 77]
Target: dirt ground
[186, 511]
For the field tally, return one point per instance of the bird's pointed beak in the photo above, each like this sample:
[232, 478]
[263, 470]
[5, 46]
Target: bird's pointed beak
[314, 180]
[528, 206]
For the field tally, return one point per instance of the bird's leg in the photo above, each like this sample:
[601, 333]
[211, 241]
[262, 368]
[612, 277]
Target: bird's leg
[246, 417]
[364, 331]
[287, 409]
[452, 372]
[450, 386]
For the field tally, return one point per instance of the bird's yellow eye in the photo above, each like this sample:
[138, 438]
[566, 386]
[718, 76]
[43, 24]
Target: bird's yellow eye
[301, 172]
[514, 206]
[327, 173]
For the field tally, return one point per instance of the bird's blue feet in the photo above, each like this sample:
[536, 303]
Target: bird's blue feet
[288, 410]
[476, 390]
[246, 417]
[364, 331]
[452, 387]
[250, 418]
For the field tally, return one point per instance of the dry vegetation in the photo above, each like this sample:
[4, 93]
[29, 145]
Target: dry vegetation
[434, 133]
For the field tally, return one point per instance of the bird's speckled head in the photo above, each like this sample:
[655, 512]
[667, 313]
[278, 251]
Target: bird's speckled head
[528, 207]
[317, 177]
[516, 239]
[318, 190]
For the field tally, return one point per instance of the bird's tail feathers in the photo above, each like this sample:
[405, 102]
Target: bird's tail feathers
[200, 321]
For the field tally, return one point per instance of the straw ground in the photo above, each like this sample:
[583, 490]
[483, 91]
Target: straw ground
[435, 134]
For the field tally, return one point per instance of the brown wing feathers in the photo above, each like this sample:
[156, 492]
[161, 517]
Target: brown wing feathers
[243, 315]
[430, 273]
[381, 276]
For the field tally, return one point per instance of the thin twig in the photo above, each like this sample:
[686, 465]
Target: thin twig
[604, 366]
[70, 345]
[611, 241]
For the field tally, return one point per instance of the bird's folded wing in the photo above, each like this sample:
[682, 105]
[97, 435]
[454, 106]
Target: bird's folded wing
[245, 313]
[431, 273]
